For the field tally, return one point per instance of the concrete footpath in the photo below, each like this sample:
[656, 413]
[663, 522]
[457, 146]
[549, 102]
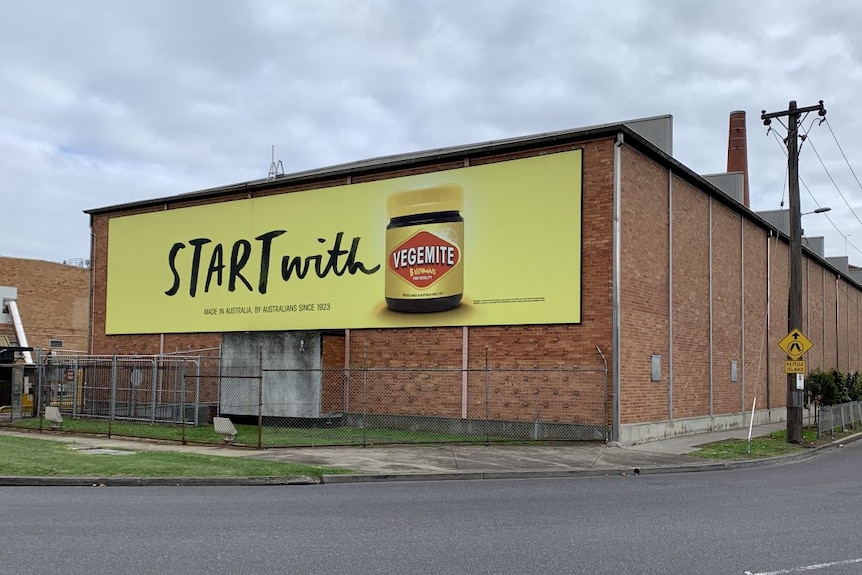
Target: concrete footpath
[435, 462]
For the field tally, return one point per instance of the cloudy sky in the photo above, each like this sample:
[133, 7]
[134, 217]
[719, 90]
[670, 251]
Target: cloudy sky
[106, 102]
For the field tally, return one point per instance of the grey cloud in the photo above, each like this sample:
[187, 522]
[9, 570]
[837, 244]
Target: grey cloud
[109, 102]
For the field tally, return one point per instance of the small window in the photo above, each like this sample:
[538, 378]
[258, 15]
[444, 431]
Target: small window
[655, 367]
[55, 343]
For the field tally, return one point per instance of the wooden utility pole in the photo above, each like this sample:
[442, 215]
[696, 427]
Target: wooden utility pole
[794, 302]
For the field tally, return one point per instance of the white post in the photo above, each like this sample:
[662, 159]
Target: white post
[751, 423]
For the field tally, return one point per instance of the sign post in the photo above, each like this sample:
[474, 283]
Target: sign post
[795, 345]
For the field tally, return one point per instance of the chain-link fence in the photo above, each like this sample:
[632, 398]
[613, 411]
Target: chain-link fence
[842, 416]
[176, 397]
[367, 406]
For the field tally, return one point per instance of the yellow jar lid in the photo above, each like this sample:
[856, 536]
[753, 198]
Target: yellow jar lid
[439, 198]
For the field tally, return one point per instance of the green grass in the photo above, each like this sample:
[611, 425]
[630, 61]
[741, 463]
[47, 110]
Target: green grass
[247, 435]
[201, 434]
[30, 457]
[771, 445]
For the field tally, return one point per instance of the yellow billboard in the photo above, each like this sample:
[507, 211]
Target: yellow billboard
[495, 244]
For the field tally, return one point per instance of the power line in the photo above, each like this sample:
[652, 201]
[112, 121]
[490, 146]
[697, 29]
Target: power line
[843, 235]
[810, 193]
[783, 149]
[831, 179]
[842, 153]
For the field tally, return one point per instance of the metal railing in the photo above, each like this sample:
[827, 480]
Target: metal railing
[154, 389]
[842, 416]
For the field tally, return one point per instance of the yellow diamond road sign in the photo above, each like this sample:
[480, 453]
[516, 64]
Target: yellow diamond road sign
[795, 344]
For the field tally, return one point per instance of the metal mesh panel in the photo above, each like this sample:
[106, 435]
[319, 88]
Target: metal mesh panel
[12, 390]
[842, 416]
[102, 390]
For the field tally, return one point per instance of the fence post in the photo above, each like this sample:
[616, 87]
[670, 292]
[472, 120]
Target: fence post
[260, 397]
[183, 403]
[218, 383]
[75, 389]
[818, 418]
[487, 375]
[154, 386]
[37, 399]
[346, 388]
[112, 402]
[198, 391]
[364, 393]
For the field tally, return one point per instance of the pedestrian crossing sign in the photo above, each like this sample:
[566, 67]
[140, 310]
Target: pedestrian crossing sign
[795, 344]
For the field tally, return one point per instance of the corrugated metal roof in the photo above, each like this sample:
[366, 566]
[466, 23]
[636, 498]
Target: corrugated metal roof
[731, 183]
[658, 130]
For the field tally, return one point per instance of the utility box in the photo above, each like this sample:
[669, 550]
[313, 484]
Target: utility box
[291, 378]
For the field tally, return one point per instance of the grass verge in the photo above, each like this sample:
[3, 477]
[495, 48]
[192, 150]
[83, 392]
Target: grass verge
[31, 457]
[771, 445]
[247, 435]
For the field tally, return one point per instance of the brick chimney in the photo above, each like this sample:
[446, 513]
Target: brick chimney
[737, 151]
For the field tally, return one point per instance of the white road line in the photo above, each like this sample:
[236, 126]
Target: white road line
[807, 567]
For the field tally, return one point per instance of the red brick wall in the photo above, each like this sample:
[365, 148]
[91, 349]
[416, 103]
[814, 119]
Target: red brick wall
[830, 341]
[835, 345]
[750, 273]
[845, 301]
[690, 301]
[410, 371]
[727, 308]
[761, 292]
[812, 297]
[53, 300]
[334, 377]
[852, 327]
[644, 328]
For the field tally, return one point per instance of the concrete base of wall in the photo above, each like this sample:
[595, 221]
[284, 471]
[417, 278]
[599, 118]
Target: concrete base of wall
[643, 432]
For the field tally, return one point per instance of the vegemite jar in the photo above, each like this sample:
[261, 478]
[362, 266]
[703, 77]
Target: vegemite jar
[424, 247]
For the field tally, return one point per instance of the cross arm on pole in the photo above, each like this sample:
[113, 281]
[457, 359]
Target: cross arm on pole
[818, 108]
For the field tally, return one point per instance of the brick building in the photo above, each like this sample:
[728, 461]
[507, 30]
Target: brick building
[49, 302]
[53, 302]
[595, 244]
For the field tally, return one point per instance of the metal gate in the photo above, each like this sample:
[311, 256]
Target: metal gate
[155, 389]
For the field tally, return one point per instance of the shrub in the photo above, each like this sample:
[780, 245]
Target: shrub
[832, 387]
[854, 386]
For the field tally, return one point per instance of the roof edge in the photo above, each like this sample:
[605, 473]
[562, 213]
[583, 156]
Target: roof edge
[383, 163]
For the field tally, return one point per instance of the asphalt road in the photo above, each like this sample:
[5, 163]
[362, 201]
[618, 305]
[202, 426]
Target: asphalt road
[803, 517]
